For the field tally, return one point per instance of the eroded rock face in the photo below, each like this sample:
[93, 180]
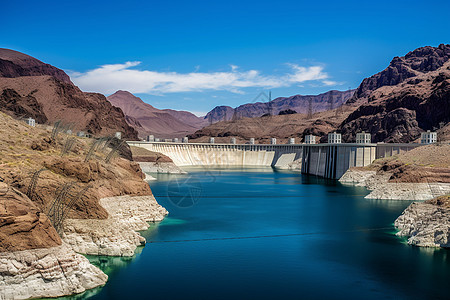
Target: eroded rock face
[26, 106]
[51, 272]
[115, 236]
[122, 177]
[397, 126]
[421, 60]
[425, 225]
[22, 225]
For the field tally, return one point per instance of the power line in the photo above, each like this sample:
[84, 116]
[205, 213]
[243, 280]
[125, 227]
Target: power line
[270, 236]
[247, 197]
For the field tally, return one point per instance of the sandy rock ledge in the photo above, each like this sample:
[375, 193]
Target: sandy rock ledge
[51, 272]
[161, 167]
[116, 235]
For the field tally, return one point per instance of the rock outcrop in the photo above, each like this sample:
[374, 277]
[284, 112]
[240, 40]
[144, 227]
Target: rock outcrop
[426, 224]
[22, 225]
[21, 106]
[116, 235]
[50, 272]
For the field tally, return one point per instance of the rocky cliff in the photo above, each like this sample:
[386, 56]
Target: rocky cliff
[31, 88]
[410, 96]
[417, 62]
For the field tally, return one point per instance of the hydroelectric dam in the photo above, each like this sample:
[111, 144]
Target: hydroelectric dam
[326, 160]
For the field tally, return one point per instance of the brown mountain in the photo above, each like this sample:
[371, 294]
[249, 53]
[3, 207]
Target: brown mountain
[15, 64]
[420, 61]
[297, 103]
[166, 123]
[31, 88]
[410, 96]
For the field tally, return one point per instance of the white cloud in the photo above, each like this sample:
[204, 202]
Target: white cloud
[329, 82]
[109, 78]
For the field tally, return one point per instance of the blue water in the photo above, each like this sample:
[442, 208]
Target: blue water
[300, 237]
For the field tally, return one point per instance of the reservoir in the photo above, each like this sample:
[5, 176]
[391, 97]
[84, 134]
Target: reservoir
[265, 234]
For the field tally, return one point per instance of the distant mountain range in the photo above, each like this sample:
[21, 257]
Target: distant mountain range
[297, 103]
[146, 119]
[31, 88]
[410, 96]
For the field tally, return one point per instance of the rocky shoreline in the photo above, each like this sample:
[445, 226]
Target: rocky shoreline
[62, 270]
[117, 235]
[425, 225]
[46, 272]
[381, 188]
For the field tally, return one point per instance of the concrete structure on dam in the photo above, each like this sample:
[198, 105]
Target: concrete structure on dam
[327, 160]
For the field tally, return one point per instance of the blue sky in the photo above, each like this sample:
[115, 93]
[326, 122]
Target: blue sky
[194, 55]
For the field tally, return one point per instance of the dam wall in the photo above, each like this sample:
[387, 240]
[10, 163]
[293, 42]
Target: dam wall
[387, 149]
[333, 160]
[196, 154]
[325, 160]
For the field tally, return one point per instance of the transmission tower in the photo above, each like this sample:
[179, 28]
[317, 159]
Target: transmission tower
[210, 119]
[234, 117]
[268, 98]
[310, 109]
[331, 101]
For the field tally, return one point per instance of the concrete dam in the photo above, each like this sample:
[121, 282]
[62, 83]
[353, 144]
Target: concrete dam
[325, 160]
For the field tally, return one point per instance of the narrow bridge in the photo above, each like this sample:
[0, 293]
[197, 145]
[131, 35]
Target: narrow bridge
[326, 160]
